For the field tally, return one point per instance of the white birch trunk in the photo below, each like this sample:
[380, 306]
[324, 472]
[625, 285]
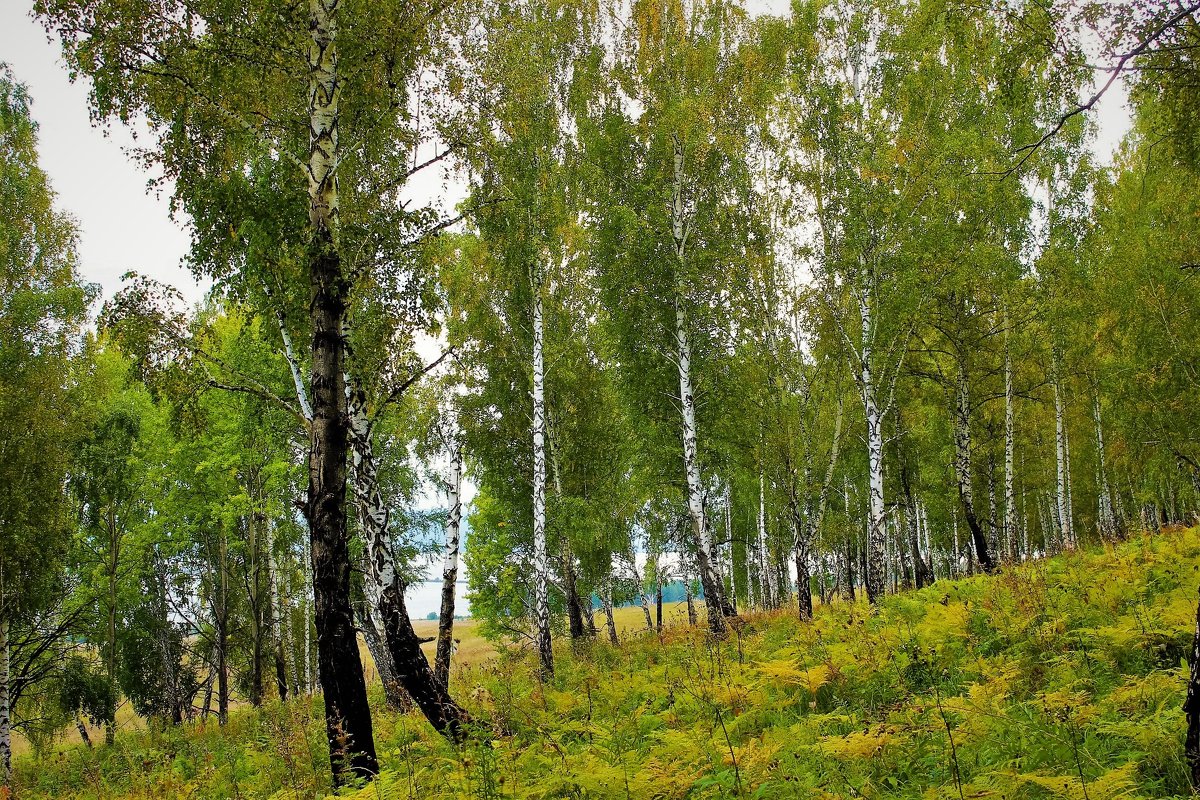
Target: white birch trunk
[308, 621]
[1108, 522]
[680, 228]
[450, 566]
[1060, 452]
[1070, 499]
[274, 606]
[541, 599]
[876, 532]
[957, 550]
[764, 568]
[1010, 498]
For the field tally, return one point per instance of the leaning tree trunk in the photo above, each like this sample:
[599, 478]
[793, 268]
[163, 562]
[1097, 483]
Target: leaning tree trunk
[962, 469]
[445, 639]
[541, 566]
[376, 641]
[5, 709]
[385, 586]
[347, 714]
[709, 580]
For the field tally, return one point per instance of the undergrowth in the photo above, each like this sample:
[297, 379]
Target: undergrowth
[1056, 679]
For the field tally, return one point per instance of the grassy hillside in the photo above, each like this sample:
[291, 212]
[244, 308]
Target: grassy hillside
[1060, 679]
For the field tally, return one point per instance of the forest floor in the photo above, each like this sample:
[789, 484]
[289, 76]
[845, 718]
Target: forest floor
[1056, 679]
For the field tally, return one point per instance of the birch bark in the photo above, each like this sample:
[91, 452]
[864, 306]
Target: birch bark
[680, 229]
[449, 566]
[1060, 453]
[1010, 498]
[347, 714]
[541, 601]
[384, 585]
[876, 524]
[963, 471]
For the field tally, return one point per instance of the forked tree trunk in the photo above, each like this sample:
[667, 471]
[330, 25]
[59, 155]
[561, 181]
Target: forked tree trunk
[385, 587]
[445, 639]
[347, 714]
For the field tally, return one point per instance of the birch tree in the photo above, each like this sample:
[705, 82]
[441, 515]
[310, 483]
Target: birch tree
[42, 306]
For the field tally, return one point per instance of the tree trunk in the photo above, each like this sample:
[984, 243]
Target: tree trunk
[84, 736]
[921, 572]
[766, 595]
[257, 629]
[1010, 498]
[575, 619]
[5, 709]
[962, 469]
[995, 546]
[610, 620]
[687, 595]
[1191, 708]
[1060, 452]
[848, 584]
[449, 568]
[376, 642]
[347, 714]
[385, 586]
[541, 604]
[1108, 520]
[658, 600]
[876, 530]
[223, 632]
[281, 681]
[709, 580]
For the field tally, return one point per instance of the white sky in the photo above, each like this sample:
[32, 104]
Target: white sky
[122, 226]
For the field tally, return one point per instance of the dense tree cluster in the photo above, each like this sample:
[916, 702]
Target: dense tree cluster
[774, 309]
